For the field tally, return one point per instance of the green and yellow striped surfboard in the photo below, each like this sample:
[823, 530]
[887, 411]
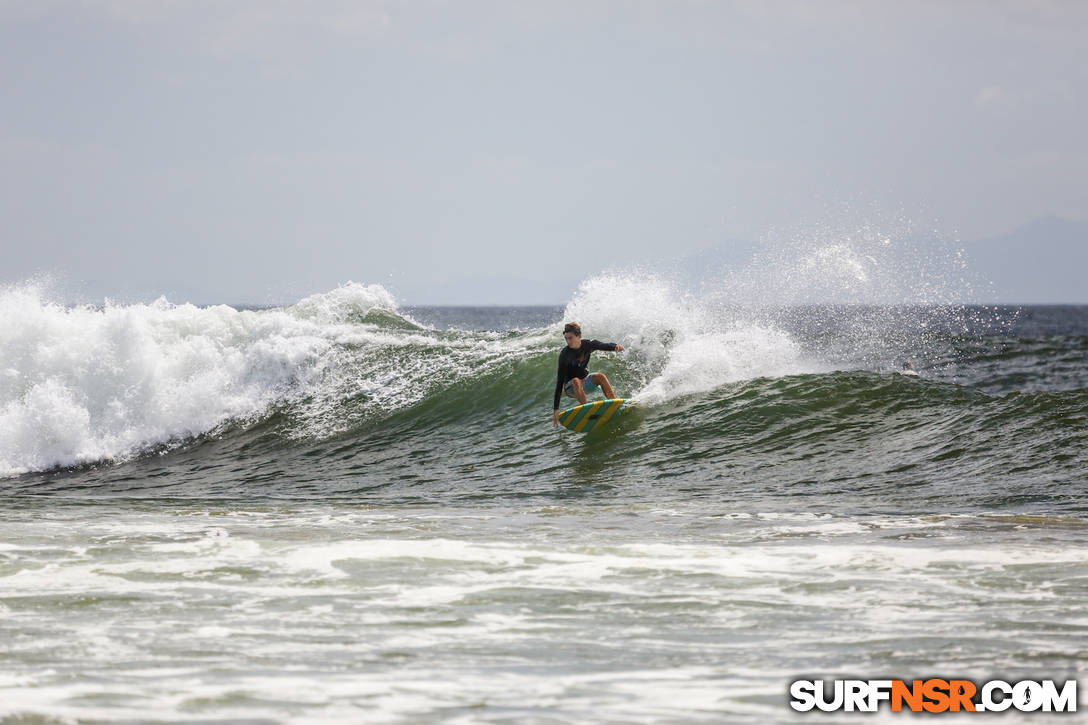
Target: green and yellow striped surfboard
[584, 418]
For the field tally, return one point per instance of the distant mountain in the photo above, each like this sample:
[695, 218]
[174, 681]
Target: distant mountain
[1042, 262]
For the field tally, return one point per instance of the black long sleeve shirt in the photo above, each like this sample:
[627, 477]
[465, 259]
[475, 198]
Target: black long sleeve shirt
[574, 363]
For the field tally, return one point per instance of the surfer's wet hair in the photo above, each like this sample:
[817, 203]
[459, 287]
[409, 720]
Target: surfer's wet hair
[572, 327]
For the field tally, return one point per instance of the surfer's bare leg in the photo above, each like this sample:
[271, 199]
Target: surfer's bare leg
[602, 380]
[576, 386]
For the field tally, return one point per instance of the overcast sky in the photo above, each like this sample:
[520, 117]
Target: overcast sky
[260, 150]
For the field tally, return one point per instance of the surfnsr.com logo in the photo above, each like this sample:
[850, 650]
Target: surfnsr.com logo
[933, 695]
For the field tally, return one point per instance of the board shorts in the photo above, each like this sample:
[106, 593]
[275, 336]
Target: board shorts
[588, 386]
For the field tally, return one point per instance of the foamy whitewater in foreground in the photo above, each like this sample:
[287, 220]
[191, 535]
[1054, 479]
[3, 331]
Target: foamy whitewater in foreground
[540, 612]
[343, 511]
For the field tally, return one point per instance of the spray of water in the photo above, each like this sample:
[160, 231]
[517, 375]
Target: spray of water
[676, 343]
[812, 299]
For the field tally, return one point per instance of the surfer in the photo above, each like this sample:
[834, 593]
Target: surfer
[574, 378]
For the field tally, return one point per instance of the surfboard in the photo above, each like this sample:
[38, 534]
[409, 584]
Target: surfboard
[584, 418]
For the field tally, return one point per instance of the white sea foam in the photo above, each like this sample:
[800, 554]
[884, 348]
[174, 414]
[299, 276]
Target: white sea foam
[679, 344]
[83, 384]
[341, 615]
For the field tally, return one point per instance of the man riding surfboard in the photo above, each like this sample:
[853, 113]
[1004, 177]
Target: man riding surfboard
[574, 378]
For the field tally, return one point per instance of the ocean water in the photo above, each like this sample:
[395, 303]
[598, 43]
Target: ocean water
[344, 510]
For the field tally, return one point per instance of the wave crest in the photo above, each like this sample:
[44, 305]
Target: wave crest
[83, 384]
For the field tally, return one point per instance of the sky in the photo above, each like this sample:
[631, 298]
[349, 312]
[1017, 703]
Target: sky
[256, 151]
